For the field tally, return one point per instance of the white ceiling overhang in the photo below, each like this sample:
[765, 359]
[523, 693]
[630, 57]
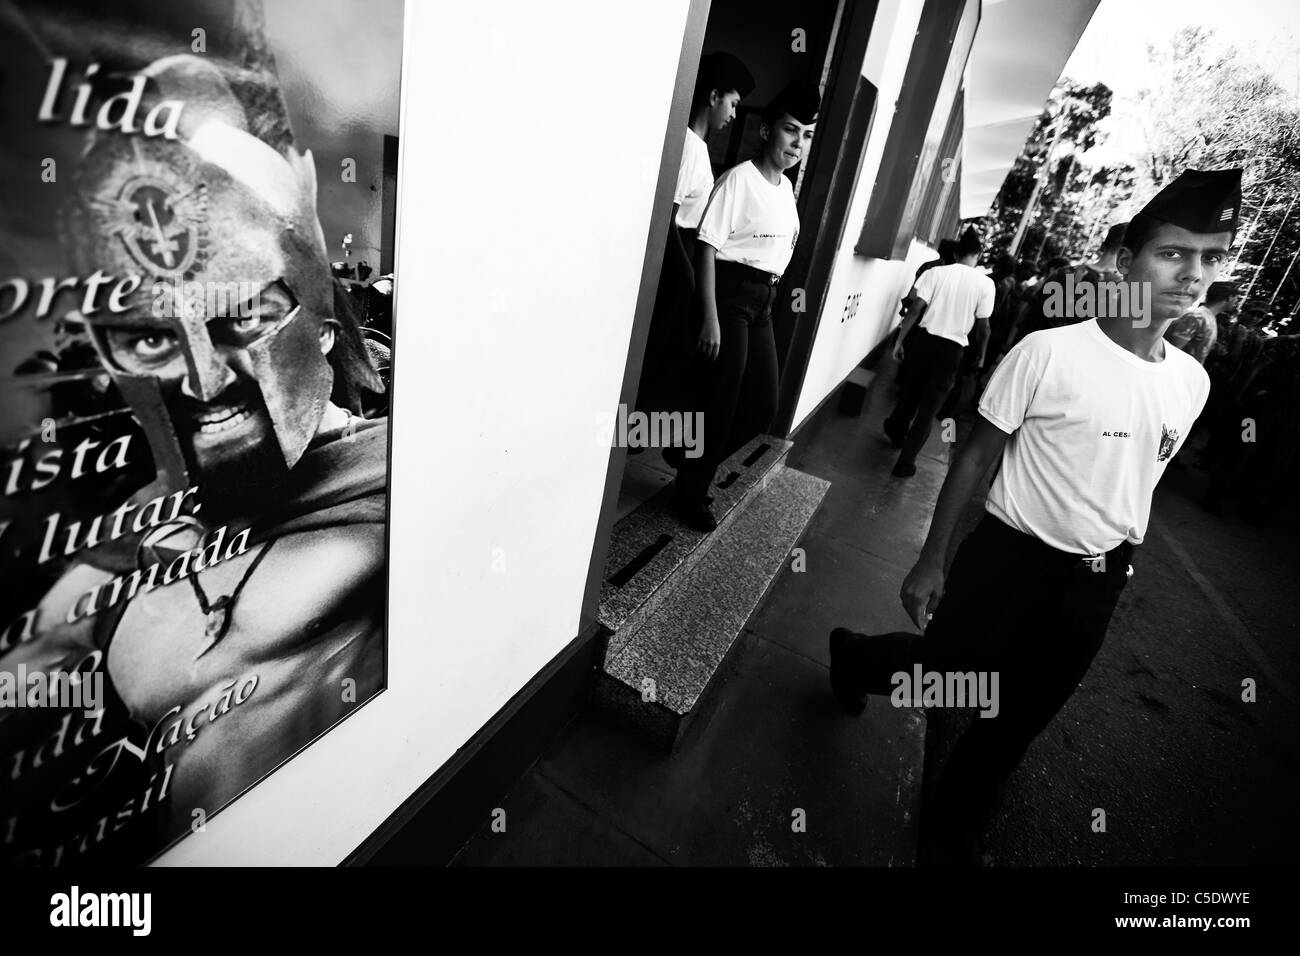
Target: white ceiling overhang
[1020, 49]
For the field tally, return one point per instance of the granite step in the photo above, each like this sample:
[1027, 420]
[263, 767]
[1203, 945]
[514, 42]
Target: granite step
[659, 676]
[651, 549]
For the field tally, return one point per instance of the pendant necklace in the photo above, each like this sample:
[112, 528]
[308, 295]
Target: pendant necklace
[218, 612]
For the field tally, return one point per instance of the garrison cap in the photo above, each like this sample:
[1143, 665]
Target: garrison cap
[1200, 200]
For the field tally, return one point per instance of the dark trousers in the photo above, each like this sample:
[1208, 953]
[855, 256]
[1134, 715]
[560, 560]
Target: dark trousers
[1015, 606]
[736, 392]
[674, 328]
[930, 366]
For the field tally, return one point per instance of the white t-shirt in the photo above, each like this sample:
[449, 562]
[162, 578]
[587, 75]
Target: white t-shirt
[694, 181]
[955, 295]
[751, 221]
[1092, 428]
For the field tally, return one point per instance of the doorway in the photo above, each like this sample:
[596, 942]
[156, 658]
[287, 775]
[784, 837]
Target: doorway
[778, 43]
[819, 41]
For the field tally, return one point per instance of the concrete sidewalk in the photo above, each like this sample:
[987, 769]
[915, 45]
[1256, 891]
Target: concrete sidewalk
[1157, 734]
[773, 773]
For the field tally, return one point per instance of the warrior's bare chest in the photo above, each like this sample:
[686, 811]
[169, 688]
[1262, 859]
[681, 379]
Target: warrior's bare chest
[262, 606]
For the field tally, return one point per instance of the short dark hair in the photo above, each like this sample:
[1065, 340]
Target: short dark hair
[1139, 231]
[800, 99]
[778, 108]
[1142, 228]
[772, 114]
[724, 73]
[703, 92]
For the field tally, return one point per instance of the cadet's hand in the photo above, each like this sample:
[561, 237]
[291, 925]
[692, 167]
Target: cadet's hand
[898, 351]
[922, 589]
[710, 339]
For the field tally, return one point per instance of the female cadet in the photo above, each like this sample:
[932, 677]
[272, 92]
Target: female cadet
[745, 242]
[722, 82]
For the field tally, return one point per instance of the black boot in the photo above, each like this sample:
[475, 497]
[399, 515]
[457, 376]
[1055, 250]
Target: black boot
[695, 514]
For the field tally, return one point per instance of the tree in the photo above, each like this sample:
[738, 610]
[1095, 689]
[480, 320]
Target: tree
[1211, 108]
[1207, 107]
[1065, 130]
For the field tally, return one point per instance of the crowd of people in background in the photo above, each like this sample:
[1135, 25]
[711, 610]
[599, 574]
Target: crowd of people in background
[1245, 443]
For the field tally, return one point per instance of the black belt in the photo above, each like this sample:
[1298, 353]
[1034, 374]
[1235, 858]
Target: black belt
[1120, 554]
[749, 272]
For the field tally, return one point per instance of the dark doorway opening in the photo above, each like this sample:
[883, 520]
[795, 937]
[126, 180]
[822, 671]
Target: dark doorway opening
[778, 42]
[821, 41]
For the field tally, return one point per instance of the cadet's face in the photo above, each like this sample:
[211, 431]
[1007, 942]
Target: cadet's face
[788, 141]
[1179, 266]
[722, 109]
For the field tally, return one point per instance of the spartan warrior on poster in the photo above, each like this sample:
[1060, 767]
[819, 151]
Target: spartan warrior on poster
[193, 404]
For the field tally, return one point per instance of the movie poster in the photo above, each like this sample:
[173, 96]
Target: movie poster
[197, 200]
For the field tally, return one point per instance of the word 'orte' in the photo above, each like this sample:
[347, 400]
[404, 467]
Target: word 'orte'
[15, 293]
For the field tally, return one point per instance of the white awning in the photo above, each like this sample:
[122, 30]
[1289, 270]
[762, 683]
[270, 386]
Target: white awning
[1019, 52]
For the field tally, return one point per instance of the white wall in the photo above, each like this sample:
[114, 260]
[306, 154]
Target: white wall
[527, 182]
[839, 346]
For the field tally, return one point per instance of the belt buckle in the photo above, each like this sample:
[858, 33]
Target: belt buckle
[773, 278]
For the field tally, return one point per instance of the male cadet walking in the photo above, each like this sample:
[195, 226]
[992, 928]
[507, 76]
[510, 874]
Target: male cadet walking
[954, 299]
[1084, 419]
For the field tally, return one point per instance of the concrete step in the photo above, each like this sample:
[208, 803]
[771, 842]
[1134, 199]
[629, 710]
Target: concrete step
[650, 550]
[658, 676]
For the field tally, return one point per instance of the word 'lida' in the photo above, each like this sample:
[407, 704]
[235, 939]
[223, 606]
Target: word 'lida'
[162, 120]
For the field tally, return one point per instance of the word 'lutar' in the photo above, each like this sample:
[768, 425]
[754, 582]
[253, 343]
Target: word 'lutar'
[149, 514]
